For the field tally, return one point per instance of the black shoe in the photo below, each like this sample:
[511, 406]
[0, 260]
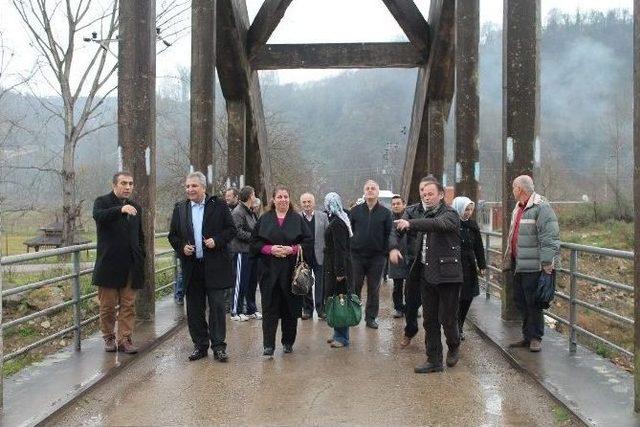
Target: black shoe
[372, 324]
[268, 351]
[428, 367]
[462, 337]
[179, 301]
[306, 315]
[452, 356]
[287, 348]
[220, 355]
[198, 353]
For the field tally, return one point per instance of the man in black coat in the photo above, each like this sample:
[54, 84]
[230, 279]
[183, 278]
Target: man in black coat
[437, 270]
[371, 223]
[119, 267]
[201, 229]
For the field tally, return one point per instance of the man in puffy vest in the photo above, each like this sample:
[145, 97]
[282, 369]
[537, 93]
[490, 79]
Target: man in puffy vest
[532, 250]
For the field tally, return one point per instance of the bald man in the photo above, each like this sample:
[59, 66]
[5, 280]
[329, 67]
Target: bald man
[532, 251]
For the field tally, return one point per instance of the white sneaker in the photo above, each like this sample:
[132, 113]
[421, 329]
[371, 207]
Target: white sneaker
[243, 317]
[255, 315]
[235, 317]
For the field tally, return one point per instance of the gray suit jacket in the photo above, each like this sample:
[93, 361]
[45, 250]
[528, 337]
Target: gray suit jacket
[322, 222]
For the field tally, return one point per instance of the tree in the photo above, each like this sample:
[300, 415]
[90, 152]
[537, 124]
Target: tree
[82, 82]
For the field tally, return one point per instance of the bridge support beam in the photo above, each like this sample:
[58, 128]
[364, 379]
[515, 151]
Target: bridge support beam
[467, 104]
[203, 63]
[636, 195]
[436, 120]
[520, 115]
[137, 124]
[236, 143]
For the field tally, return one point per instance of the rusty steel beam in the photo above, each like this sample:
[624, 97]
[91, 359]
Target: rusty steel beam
[412, 23]
[337, 55]
[137, 124]
[239, 81]
[441, 65]
[236, 142]
[467, 166]
[434, 87]
[265, 22]
[203, 63]
[520, 114]
[636, 197]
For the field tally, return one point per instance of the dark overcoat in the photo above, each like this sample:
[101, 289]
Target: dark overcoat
[472, 258]
[121, 249]
[279, 271]
[443, 252]
[337, 259]
[401, 269]
[218, 224]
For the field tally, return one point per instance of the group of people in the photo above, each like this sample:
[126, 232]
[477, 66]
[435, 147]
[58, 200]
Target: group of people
[433, 253]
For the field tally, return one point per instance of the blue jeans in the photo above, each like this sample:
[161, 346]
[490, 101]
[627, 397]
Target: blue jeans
[341, 335]
[178, 287]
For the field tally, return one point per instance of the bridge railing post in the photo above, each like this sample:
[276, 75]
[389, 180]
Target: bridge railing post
[573, 266]
[487, 273]
[75, 285]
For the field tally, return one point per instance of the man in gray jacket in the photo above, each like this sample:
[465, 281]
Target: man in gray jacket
[532, 250]
[244, 265]
[317, 222]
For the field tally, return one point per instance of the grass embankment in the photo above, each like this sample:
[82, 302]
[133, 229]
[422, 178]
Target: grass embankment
[36, 329]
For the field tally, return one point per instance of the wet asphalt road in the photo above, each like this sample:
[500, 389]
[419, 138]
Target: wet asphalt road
[370, 383]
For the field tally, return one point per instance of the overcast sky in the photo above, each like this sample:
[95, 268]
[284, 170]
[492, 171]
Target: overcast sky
[310, 21]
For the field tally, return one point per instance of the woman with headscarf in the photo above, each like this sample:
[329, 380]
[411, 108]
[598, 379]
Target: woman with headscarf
[277, 238]
[337, 259]
[472, 256]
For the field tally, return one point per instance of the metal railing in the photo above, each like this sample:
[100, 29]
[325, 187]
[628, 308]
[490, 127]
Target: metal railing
[574, 274]
[76, 289]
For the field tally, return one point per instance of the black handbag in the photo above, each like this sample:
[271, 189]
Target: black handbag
[302, 276]
[546, 290]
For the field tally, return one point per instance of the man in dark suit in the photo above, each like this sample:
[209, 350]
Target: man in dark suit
[201, 229]
[119, 267]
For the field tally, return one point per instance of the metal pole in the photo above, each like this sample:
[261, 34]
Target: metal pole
[467, 166]
[573, 268]
[636, 195]
[203, 62]
[75, 285]
[520, 114]
[137, 125]
[487, 275]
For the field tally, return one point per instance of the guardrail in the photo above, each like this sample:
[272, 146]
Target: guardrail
[572, 298]
[77, 297]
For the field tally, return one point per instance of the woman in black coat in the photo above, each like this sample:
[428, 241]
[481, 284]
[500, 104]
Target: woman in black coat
[277, 238]
[472, 257]
[337, 259]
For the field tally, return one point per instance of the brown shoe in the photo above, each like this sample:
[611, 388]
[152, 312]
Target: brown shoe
[535, 346]
[520, 344]
[110, 345]
[126, 346]
[405, 341]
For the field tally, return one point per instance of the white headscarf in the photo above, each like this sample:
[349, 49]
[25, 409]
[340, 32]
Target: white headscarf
[460, 203]
[333, 205]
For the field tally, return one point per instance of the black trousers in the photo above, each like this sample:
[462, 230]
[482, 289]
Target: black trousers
[413, 301]
[465, 304]
[271, 313]
[197, 298]
[524, 290]
[440, 310]
[371, 268]
[398, 295]
[317, 292]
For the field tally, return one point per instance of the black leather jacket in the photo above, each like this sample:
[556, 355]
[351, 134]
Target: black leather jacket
[443, 257]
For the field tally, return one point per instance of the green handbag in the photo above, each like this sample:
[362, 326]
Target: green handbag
[343, 310]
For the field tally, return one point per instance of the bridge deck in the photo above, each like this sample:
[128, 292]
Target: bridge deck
[372, 382]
